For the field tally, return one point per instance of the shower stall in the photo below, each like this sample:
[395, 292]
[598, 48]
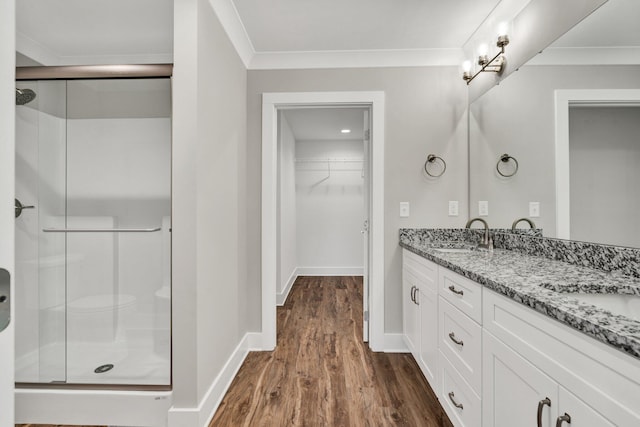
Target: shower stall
[93, 231]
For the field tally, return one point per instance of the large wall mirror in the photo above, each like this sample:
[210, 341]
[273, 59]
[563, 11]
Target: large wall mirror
[570, 117]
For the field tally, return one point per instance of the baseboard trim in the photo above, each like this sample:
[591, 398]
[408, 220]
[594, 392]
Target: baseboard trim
[330, 271]
[281, 298]
[201, 416]
[394, 343]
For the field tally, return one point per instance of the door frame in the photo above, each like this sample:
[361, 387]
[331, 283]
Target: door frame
[271, 103]
[565, 98]
[7, 190]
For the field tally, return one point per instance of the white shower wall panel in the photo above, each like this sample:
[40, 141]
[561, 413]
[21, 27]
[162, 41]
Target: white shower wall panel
[118, 167]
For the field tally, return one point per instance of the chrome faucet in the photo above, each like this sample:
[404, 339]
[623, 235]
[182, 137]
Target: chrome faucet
[487, 242]
[531, 223]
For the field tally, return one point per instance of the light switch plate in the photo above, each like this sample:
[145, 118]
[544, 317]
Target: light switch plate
[483, 208]
[404, 209]
[534, 209]
[453, 208]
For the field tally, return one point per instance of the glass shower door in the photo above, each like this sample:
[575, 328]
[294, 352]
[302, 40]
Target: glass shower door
[118, 225]
[93, 158]
[40, 258]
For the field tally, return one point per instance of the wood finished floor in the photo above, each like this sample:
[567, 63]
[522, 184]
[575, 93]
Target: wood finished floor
[322, 374]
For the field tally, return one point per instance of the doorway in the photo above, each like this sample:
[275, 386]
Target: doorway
[369, 164]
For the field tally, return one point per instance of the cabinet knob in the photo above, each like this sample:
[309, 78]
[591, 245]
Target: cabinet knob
[562, 418]
[545, 401]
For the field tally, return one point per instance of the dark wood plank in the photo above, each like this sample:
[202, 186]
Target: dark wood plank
[322, 374]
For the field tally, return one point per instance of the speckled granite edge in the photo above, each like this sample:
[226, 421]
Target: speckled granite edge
[540, 283]
[602, 257]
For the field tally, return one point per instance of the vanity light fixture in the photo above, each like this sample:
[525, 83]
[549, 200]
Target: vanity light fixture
[493, 65]
[345, 130]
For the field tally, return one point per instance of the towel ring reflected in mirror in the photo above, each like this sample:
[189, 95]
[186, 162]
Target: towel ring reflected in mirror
[432, 159]
[505, 159]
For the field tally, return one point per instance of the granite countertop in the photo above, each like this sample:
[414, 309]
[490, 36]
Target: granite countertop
[541, 284]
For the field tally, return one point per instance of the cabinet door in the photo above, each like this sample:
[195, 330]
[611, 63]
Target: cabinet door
[410, 311]
[429, 335]
[513, 389]
[582, 414]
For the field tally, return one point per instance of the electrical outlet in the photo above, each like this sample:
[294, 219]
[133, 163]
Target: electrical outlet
[483, 208]
[453, 208]
[404, 209]
[534, 209]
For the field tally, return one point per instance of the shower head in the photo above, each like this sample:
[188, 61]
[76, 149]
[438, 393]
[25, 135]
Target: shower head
[24, 96]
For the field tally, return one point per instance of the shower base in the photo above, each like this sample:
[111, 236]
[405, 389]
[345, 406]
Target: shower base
[136, 364]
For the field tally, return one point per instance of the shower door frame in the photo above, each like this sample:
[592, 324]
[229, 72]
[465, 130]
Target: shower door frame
[96, 72]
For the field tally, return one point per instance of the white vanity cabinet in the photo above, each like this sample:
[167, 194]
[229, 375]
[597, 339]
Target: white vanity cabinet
[460, 345]
[420, 312]
[529, 358]
[494, 362]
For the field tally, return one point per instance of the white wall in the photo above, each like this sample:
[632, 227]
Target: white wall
[7, 156]
[287, 242]
[209, 139]
[518, 118]
[604, 154]
[425, 113]
[330, 208]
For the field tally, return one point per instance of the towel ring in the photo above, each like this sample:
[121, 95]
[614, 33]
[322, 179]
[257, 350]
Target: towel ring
[431, 158]
[505, 159]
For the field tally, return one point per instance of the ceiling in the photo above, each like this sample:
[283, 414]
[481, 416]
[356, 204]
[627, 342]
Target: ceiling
[324, 124]
[70, 32]
[337, 25]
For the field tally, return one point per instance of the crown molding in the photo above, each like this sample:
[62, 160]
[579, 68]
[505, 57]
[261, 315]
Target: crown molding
[626, 55]
[233, 26]
[356, 59]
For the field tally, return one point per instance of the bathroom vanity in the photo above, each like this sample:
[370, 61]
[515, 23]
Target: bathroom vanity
[505, 337]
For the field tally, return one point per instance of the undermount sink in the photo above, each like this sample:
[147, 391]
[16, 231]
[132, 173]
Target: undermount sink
[453, 250]
[623, 304]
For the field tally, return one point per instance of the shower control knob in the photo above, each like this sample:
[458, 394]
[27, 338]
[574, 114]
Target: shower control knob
[19, 207]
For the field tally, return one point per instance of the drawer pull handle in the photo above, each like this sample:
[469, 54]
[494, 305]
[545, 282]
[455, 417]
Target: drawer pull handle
[562, 418]
[455, 291]
[452, 336]
[413, 297]
[545, 401]
[456, 404]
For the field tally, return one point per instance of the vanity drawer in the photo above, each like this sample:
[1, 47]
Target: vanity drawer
[460, 402]
[422, 269]
[461, 342]
[464, 294]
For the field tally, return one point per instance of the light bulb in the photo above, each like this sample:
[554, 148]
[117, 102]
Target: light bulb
[466, 66]
[483, 49]
[503, 28]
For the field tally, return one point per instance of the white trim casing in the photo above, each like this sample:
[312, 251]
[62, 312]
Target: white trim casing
[394, 343]
[281, 297]
[563, 99]
[7, 191]
[202, 415]
[356, 59]
[330, 271]
[271, 102]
